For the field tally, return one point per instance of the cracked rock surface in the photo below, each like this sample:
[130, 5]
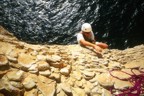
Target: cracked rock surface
[63, 70]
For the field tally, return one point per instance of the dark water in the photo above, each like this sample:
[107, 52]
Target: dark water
[119, 23]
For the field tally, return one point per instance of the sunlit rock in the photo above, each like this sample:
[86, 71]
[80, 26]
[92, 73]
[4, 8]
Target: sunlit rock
[33, 92]
[26, 60]
[66, 70]
[66, 87]
[105, 79]
[120, 74]
[88, 75]
[114, 65]
[41, 57]
[15, 75]
[78, 92]
[45, 73]
[47, 89]
[3, 60]
[55, 76]
[119, 84]
[53, 58]
[29, 83]
[135, 64]
[43, 65]
[16, 84]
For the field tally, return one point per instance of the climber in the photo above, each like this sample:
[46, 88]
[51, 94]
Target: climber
[86, 38]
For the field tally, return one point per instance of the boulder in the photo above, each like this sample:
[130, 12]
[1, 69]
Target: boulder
[3, 60]
[43, 65]
[26, 60]
[15, 75]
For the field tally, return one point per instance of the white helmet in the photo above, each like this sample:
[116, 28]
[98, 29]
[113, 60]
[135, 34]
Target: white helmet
[86, 27]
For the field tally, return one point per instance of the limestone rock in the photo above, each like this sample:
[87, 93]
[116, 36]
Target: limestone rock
[33, 68]
[5, 47]
[44, 79]
[56, 64]
[33, 92]
[106, 92]
[64, 71]
[119, 84]
[16, 84]
[105, 79]
[78, 92]
[15, 75]
[120, 75]
[29, 83]
[88, 75]
[42, 65]
[66, 88]
[47, 89]
[77, 75]
[26, 60]
[13, 54]
[135, 64]
[61, 93]
[45, 73]
[53, 58]
[56, 76]
[41, 57]
[114, 65]
[3, 60]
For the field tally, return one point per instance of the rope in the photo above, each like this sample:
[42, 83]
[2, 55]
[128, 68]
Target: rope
[136, 80]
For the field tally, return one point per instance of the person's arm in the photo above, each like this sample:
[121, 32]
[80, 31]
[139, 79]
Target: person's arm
[86, 43]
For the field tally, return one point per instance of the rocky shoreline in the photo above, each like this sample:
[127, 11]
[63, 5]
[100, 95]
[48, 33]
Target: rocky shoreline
[64, 70]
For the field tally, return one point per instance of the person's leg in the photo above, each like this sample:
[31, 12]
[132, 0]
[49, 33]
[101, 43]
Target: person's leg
[102, 45]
